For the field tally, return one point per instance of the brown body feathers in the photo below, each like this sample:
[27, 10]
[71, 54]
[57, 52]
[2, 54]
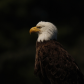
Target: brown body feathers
[54, 65]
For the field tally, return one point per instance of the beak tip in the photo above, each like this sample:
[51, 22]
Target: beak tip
[30, 31]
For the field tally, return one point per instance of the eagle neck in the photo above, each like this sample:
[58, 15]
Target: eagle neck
[49, 42]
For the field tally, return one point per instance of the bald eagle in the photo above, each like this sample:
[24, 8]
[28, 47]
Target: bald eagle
[53, 64]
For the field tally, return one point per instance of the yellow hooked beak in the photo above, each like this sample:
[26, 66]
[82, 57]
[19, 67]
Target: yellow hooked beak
[34, 29]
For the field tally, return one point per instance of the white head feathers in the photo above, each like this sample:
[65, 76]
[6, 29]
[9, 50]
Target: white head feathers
[47, 31]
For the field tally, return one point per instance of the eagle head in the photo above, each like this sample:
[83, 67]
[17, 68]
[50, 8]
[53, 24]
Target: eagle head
[46, 31]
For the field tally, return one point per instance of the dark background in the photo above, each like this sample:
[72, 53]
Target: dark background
[17, 46]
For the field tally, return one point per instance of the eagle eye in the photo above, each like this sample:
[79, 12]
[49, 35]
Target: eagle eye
[38, 26]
